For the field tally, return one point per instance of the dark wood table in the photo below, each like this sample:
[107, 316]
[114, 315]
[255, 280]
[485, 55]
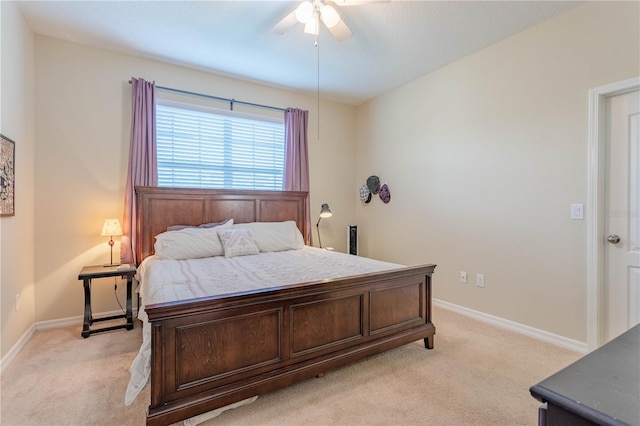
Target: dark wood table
[601, 388]
[89, 273]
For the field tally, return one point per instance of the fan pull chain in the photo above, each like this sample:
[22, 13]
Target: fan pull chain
[317, 46]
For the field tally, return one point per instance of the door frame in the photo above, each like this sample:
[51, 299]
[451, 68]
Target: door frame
[595, 205]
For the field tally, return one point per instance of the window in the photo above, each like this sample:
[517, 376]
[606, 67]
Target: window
[208, 148]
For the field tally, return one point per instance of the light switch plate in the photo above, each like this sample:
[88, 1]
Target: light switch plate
[577, 211]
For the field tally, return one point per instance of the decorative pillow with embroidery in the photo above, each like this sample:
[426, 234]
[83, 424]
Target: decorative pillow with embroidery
[237, 242]
[274, 236]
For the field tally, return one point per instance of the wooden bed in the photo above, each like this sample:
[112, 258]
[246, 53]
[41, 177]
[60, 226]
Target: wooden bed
[272, 338]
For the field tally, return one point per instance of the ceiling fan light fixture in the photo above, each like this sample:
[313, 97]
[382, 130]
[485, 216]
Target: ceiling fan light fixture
[311, 12]
[304, 12]
[329, 16]
[311, 26]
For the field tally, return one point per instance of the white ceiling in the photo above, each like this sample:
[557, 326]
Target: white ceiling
[395, 42]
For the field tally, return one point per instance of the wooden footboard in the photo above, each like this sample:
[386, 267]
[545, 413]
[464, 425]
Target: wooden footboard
[211, 352]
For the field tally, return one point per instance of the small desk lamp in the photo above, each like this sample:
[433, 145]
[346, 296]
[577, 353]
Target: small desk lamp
[110, 229]
[324, 212]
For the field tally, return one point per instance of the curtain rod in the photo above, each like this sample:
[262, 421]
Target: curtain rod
[218, 98]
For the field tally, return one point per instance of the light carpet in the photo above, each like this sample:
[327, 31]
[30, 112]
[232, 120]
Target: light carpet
[477, 374]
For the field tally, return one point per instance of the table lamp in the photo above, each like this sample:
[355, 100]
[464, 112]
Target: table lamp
[324, 213]
[110, 229]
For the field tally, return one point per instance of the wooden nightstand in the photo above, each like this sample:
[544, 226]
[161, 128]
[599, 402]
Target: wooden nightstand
[99, 271]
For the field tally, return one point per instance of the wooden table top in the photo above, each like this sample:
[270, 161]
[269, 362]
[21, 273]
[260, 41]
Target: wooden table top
[603, 386]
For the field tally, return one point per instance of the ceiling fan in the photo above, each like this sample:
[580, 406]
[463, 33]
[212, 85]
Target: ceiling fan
[311, 12]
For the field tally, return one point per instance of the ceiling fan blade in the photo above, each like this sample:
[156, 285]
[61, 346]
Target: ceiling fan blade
[341, 31]
[285, 24]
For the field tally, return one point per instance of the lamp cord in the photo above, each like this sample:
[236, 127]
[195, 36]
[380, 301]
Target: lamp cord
[115, 291]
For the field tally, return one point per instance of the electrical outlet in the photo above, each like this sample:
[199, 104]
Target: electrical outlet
[480, 280]
[463, 277]
[17, 305]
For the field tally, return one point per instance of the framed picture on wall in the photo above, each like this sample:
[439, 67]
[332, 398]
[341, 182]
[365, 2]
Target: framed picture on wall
[7, 176]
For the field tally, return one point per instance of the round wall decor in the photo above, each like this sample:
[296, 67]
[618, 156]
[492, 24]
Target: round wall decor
[385, 195]
[365, 194]
[373, 183]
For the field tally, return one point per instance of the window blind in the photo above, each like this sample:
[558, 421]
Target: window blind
[205, 148]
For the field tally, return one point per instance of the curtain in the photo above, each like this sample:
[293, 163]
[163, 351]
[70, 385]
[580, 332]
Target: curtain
[296, 157]
[143, 167]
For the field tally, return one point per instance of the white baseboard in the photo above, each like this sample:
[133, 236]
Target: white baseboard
[15, 350]
[59, 323]
[545, 336]
[45, 325]
[64, 322]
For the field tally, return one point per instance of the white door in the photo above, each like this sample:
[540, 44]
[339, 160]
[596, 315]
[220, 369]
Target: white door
[622, 215]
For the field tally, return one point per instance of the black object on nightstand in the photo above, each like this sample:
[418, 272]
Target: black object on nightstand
[99, 271]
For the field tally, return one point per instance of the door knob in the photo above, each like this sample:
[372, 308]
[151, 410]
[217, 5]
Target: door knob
[613, 239]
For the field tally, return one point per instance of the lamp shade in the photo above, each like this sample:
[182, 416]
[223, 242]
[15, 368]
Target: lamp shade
[111, 228]
[325, 211]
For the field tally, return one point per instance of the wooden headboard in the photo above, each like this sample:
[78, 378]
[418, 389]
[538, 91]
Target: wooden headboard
[162, 207]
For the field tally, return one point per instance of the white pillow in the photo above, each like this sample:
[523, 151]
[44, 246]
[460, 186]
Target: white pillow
[190, 243]
[274, 236]
[237, 242]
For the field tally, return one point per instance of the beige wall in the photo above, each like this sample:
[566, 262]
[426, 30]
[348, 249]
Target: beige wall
[17, 257]
[483, 158]
[83, 122]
